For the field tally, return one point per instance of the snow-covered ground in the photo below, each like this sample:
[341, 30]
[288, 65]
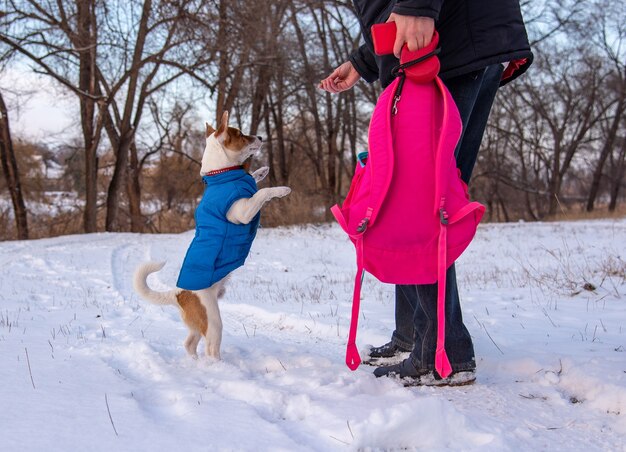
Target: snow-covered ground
[86, 365]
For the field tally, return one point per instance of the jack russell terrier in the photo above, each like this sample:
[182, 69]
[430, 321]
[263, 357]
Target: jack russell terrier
[226, 223]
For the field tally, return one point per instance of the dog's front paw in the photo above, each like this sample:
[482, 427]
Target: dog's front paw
[280, 192]
[261, 173]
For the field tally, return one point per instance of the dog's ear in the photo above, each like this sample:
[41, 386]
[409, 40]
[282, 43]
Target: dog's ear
[223, 125]
[209, 130]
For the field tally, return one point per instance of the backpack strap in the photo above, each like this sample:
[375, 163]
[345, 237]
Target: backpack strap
[353, 359]
[465, 211]
[381, 157]
[442, 363]
[441, 159]
[336, 211]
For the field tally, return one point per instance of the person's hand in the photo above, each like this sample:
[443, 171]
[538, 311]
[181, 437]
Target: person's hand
[341, 79]
[415, 32]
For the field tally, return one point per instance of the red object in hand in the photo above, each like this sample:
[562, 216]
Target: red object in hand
[384, 37]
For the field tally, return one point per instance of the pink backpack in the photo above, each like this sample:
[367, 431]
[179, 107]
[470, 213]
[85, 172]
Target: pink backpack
[408, 211]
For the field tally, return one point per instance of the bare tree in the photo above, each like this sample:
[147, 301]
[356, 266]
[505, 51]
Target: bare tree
[618, 166]
[164, 50]
[605, 29]
[119, 59]
[11, 173]
[548, 121]
[60, 37]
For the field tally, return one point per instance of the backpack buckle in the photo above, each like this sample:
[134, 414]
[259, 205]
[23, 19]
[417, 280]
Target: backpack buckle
[364, 222]
[443, 216]
[363, 225]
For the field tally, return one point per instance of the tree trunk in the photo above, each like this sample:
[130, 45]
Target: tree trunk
[127, 129]
[332, 123]
[310, 90]
[270, 145]
[117, 182]
[134, 192]
[262, 87]
[620, 170]
[222, 34]
[87, 83]
[555, 182]
[606, 150]
[11, 174]
[277, 114]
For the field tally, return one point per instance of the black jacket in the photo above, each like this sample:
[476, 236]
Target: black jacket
[473, 34]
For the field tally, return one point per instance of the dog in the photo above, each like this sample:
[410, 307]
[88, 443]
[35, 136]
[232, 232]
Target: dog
[226, 223]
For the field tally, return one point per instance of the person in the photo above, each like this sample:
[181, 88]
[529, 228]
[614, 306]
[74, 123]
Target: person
[484, 45]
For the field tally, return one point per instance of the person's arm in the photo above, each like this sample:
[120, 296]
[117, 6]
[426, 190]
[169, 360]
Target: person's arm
[360, 64]
[415, 21]
[418, 8]
[365, 64]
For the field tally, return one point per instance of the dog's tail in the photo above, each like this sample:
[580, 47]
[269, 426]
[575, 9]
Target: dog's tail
[141, 285]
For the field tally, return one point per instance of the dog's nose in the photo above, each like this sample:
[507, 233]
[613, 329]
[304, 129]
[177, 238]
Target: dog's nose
[260, 138]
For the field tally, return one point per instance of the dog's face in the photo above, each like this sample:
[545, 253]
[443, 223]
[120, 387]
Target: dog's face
[226, 147]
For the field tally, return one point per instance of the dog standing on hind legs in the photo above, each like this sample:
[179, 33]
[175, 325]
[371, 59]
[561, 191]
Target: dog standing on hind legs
[226, 223]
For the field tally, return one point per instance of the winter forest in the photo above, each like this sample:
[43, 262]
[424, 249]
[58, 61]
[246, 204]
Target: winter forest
[141, 78]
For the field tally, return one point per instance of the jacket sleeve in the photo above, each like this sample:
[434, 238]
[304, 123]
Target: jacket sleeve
[423, 8]
[365, 64]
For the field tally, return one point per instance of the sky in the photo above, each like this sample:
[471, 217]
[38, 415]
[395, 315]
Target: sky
[38, 108]
[41, 110]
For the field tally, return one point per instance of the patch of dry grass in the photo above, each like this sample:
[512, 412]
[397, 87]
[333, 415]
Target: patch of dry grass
[578, 212]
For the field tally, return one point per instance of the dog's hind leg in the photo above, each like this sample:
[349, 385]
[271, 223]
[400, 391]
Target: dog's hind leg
[194, 315]
[214, 341]
[191, 343]
[213, 336]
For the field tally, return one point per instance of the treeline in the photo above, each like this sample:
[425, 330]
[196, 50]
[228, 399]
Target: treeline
[556, 139]
[143, 71]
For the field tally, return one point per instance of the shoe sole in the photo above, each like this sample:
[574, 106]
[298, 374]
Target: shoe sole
[452, 384]
[429, 380]
[390, 361]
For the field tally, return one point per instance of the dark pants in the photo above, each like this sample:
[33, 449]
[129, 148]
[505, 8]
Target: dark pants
[416, 306]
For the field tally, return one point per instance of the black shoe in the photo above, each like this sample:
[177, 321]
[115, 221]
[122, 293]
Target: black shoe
[410, 376]
[388, 350]
[385, 355]
[404, 370]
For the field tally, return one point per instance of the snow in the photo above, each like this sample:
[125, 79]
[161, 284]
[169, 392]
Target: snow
[109, 371]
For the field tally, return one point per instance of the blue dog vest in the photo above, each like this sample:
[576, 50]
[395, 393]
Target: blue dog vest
[219, 246]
